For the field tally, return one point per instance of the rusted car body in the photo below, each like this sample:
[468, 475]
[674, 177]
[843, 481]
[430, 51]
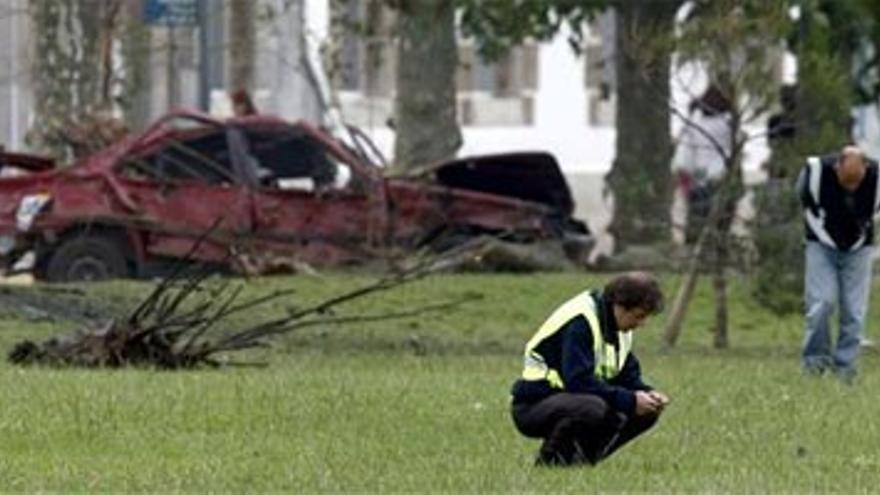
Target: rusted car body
[263, 189]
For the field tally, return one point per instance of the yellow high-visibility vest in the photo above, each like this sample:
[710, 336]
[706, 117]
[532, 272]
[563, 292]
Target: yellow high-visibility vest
[608, 360]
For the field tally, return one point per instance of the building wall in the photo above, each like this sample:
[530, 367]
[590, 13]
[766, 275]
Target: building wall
[559, 122]
[562, 122]
[282, 73]
[15, 96]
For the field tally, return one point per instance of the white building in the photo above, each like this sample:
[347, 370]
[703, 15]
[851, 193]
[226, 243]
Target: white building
[541, 96]
[15, 96]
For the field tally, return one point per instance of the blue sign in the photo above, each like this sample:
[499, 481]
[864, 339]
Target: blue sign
[171, 13]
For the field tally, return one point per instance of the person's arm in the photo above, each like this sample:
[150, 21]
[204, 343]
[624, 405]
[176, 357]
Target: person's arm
[803, 190]
[578, 364]
[773, 130]
[631, 375]
[876, 188]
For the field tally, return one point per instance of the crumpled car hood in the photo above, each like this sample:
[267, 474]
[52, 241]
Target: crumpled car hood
[530, 176]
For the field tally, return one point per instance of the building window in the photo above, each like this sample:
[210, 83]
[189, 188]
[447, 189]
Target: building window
[367, 59]
[499, 93]
[363, 63]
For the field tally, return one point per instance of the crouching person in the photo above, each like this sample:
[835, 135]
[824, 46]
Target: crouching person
[581, 390]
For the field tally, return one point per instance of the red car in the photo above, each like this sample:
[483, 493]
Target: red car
[263, 190]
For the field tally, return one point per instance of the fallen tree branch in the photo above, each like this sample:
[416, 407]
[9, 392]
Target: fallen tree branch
[171, 327]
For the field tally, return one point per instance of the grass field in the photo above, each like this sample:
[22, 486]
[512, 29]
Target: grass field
[421, 405]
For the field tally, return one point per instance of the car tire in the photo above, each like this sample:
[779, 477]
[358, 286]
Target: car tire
[85, 258]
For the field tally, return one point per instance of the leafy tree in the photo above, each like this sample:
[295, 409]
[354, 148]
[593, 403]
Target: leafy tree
[500, 25]
[639, 179]
[851, 33]
[73, 66]
[730, 38]
[824, 40]
[426, 59]
[425, 99]
[133, 95]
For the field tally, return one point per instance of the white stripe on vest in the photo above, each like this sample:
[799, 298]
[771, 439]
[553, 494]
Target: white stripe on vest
[817, 222]
[815, 177]
[877, 191]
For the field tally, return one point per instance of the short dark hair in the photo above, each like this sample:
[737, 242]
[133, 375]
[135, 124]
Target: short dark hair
[635, 290]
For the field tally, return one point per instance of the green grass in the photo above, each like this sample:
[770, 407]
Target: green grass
[422, 405]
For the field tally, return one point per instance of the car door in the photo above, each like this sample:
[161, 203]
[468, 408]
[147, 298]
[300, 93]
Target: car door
[186, 186]
[309, 204]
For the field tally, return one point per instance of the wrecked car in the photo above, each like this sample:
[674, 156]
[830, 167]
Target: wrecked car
[259, 190]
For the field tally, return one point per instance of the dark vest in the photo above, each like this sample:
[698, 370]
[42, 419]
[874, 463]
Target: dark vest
[834, 216]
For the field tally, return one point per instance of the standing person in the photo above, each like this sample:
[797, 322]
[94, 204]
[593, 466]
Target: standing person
[782, 125]
[581, 389]
[700, 156]
[840, 196]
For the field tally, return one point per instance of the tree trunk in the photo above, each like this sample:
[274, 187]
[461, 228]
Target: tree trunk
[136, 41]
[719, 284]
[425, 106]
[640, 179]
[73, 68]
[242, 40]
[683, 297]
[712, 248]
[53, 76]
[821, 119]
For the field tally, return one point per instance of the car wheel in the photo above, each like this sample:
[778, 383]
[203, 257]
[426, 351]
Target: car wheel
[86, 258]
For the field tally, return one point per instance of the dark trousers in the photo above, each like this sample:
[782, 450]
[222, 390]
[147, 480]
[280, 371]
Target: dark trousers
[699, 205]
[577, 428]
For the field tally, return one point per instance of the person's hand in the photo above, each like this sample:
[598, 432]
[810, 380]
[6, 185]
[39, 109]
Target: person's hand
[647, 403]
[660, 398]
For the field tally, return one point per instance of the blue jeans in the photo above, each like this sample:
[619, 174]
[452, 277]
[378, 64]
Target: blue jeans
[835, 278]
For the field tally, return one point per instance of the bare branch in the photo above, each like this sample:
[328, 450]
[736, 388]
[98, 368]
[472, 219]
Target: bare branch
[169, 329]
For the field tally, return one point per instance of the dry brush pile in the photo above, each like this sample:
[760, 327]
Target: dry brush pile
[175, 326]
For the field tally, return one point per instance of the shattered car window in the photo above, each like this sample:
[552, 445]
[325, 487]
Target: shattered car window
[203, 158]
[291, 160]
